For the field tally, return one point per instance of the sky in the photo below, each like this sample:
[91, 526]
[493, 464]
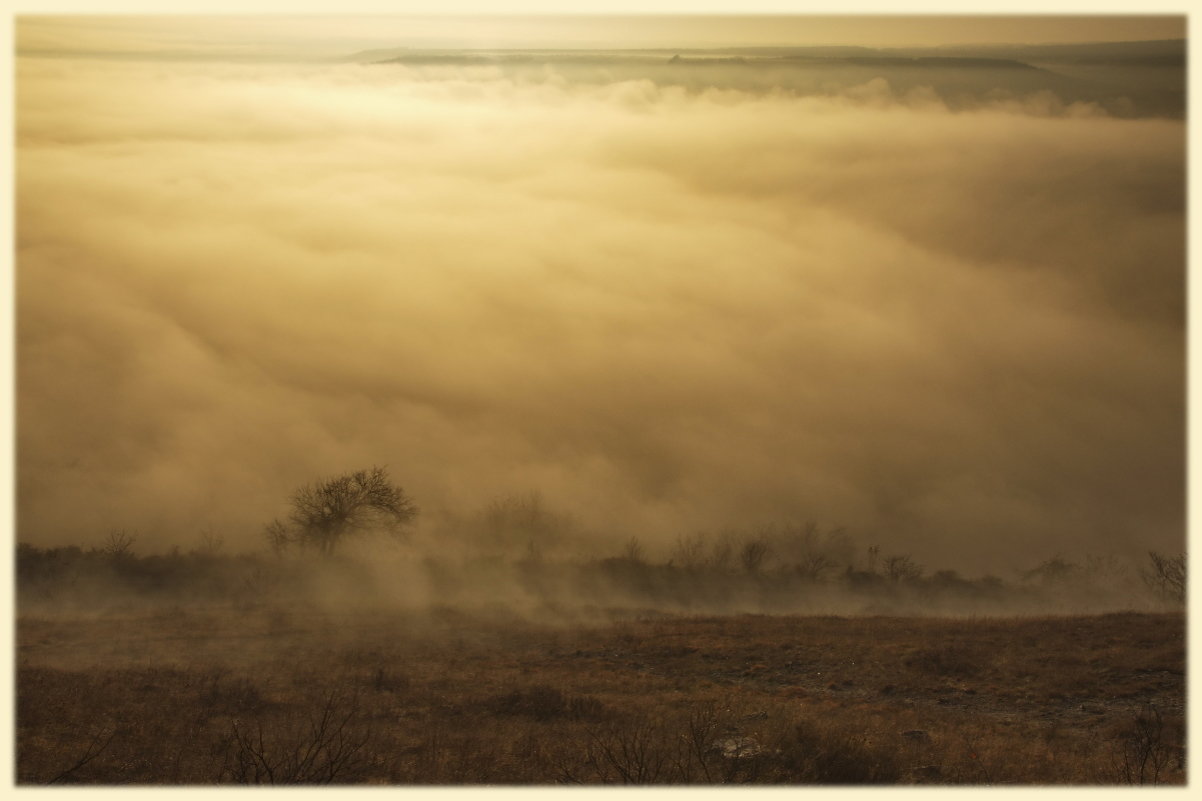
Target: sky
[291, 35]
[948, 316]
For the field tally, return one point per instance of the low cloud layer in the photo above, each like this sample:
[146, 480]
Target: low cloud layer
[957, 331]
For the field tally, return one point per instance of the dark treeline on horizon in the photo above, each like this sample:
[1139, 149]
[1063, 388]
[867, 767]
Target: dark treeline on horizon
[826, 575]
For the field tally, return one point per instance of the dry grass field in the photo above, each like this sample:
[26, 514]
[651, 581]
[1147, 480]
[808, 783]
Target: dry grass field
[267, 696]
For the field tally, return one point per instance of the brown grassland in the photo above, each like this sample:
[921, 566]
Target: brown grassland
[268, 696]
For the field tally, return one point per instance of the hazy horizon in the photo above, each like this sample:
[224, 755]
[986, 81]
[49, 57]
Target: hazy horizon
[330, 35]
[940, 305]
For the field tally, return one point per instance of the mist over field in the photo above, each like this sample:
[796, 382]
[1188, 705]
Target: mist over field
[939, 304]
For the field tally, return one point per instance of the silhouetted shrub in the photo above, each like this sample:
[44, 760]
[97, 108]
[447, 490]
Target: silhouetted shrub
[327, 511]
[1166, 576]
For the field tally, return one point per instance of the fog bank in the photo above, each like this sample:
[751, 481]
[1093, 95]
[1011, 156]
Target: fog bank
[956, 329]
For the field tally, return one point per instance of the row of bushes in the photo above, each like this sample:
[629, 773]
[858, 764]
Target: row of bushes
[892, 584]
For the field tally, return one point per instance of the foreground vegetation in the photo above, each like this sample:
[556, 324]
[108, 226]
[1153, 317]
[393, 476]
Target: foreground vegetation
[698, 577]
[348, 540]
[302, 695]
[773, 655]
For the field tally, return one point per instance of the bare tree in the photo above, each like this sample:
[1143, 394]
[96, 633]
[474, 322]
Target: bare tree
[119, 545]
[331, 748]
[99, 742]
[753, 553]
[815, 566]
[1146, 751]
[326, 512]
[874, 552]
[633, 550]
[1052, 571]
[211, 542]
[902, 568]
[522, 519]
[689, 551]
[278, 536]
[813, 553]
[722, 552]
[1167, 576]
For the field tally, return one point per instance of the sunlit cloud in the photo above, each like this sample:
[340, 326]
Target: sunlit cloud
[953, 326]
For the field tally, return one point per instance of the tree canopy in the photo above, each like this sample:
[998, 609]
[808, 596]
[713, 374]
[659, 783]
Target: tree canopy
[327, 511]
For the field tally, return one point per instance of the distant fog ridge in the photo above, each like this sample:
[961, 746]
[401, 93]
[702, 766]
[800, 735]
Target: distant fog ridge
[709, 60]
[1166, 52]
[1120, 79]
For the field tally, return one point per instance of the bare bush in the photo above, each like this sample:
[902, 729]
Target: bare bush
[1052, 571]
[815, 566]
[817, 753]
[522, 520]
[96, 746]
[874, 552]
[702, 729]
[902, 568]
[1166, 576]
[705, 744]
[722, 552]
[813, 553]
[118, 545]
[1145, 753]
[278, 537]
[753, 554]
[689, 551]
[328, 749]
[211, 543]
[630, 752]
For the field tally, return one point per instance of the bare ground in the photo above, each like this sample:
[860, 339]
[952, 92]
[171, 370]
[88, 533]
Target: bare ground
[285, 696]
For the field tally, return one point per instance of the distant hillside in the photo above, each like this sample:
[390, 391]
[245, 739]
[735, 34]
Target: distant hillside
[1168, 52]
[684, 59]
[1127, 79]
[936, 62]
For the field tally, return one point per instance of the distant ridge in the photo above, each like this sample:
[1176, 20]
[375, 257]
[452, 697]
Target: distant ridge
[935, 62]
[691, 60]
[1161, 52]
